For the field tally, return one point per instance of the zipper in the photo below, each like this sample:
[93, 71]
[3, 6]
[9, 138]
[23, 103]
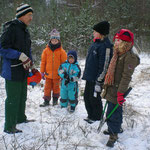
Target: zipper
[52, 64]
[68, 71]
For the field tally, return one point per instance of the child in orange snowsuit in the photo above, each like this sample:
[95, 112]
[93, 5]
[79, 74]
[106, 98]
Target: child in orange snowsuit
[52, 57]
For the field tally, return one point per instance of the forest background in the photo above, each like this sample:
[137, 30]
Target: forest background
[75, 19]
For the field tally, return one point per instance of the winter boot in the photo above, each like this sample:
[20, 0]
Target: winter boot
[26, 121]
[88, 120]
[112, 139]
[45, 103]
[13, 131]
[106, 132]
[72, 109]
[55, 101]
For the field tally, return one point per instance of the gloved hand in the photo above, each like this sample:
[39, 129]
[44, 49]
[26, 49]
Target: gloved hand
[67, 81]
[34, 71]
[120, 98]
[98, 87]
[26, 61]
[43, 75]
[66, 75]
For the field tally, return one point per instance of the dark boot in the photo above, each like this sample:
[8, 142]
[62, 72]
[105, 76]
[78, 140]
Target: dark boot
[55, 101]
[112, 139]
[88, 120]
[13, 131]
[26, 121]
[106, 132]
[45, 103]
[72, 109]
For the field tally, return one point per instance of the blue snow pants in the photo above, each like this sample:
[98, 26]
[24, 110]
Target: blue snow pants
[69, 94]
[115, 120]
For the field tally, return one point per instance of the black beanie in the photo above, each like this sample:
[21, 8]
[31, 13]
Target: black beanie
[23, 9]
[102, 27]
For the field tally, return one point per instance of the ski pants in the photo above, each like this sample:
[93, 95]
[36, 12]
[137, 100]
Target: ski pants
[115, 120]
[69, 94]
[51, 85]
[93, 104]
[16, 92]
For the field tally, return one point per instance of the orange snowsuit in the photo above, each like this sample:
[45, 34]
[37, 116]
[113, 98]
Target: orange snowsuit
[50, 62]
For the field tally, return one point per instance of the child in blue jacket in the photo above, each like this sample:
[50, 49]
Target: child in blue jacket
[70, 73]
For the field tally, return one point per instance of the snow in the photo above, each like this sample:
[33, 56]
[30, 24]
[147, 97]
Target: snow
[57, 129]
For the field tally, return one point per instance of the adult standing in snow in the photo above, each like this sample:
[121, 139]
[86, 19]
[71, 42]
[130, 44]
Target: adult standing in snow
[97, 61]
[52, 57]
[117, 80]
[16, 54]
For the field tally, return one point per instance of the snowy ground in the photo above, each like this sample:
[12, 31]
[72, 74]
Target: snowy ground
[57, 129]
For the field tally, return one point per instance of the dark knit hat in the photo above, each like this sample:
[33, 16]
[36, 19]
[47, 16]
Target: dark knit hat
[102, 27]
[72, 53]
[23, 9]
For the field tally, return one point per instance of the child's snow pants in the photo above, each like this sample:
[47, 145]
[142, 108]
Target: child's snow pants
[51, 85]
[69, 94]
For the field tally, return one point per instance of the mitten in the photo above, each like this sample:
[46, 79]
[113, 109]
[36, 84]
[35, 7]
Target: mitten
[26, 61]
[66, 75]
[120, 98]
[97, 87]
[43, 75]
[67, 80]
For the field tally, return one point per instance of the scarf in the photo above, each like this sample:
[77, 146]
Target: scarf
[118, 51]
[53, 47]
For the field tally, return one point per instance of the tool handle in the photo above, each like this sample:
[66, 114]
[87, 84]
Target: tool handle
[127, 92]
[125, 95]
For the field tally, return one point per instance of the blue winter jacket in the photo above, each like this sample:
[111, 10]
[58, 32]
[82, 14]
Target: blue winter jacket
[97, 61]
[73, 71]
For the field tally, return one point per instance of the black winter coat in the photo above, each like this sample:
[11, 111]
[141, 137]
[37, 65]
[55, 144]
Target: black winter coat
[14, 40]
[98, 58]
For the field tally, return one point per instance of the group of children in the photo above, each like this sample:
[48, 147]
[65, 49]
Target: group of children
[56, 64]
[107, 67]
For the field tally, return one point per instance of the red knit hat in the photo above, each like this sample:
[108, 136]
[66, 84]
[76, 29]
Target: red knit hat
[125, 35]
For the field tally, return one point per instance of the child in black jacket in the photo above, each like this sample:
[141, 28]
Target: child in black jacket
[97, 61]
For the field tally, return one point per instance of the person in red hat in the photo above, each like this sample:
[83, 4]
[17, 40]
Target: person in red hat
[117, 79]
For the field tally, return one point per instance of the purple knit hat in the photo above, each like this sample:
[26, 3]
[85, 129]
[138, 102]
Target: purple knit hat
[54, 34]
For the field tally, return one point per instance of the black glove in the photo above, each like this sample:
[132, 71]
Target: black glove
[67, 80]
[65, 75]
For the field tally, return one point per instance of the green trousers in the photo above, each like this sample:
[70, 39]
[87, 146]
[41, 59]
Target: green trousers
[15, 103]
